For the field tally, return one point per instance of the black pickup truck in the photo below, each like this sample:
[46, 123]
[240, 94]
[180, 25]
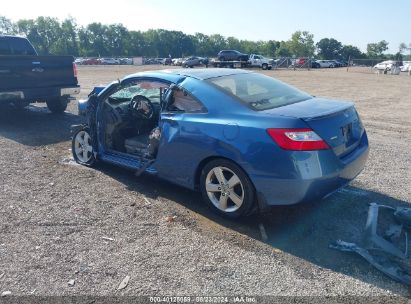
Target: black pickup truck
[28, 78]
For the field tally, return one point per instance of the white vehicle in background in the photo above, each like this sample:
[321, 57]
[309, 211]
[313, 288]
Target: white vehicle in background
[388, 67]
[406, 66]
[260, 61]
[79, 60]
[327, 63]
[385, 65]
[177, 61]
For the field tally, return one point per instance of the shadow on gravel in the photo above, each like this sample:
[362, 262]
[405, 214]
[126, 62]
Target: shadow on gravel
[36, 126]
[302, 231]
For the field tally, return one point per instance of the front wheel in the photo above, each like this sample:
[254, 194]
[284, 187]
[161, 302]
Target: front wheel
[226, 188]
[265, 66]
[82, 148]
[58, 105]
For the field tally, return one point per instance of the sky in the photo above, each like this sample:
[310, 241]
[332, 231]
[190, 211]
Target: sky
[355, 22]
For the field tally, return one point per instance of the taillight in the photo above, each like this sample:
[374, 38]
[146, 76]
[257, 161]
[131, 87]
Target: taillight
[298, 139]
[75, 70]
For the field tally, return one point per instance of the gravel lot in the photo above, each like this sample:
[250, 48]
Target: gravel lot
[60, 221]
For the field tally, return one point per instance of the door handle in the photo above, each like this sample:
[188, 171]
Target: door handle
[37, 70]
[4, 71]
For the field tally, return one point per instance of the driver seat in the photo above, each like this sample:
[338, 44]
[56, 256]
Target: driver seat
[137, 145]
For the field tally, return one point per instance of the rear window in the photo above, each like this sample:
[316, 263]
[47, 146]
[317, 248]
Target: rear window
[4, 47]
[15, 46]
[22, 47]
[258, 91]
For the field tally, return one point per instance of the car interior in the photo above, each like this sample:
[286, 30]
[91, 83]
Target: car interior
[131, 114]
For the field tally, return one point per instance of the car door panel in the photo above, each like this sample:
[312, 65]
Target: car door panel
[170, 159]
[182, 146]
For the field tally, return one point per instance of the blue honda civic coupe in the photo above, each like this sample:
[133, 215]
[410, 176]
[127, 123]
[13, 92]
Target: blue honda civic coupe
[245, 140]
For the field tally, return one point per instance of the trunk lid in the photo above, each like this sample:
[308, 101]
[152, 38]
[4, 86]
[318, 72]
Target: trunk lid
[336, 122]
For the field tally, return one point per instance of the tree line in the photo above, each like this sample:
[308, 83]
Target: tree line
[52, 36]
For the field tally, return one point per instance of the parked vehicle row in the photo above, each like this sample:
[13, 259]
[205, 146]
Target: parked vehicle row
[225, 58]
[236, 59]
[315, 63]
[187, 62]
[105, 61]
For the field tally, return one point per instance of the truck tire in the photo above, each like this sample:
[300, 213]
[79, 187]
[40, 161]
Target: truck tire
[58, 105]
[264, 66]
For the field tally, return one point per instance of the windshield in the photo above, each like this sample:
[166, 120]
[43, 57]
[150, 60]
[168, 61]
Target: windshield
[260, 92]
[150, 89]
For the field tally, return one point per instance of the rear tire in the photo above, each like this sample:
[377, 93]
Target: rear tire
[227, 189]
[58, 105]
[264, 66]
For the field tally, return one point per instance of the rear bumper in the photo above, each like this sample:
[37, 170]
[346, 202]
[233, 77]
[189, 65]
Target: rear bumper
[317, 174]
[38, 94]
[70, 91]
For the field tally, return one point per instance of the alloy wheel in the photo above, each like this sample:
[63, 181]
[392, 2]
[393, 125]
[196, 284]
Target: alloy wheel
[224, 189]
[83, 147]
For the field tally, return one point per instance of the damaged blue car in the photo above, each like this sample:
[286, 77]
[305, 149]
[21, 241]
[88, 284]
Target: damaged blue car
[245, 140]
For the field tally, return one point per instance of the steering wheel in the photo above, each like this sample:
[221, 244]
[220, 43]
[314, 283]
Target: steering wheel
[141, 107]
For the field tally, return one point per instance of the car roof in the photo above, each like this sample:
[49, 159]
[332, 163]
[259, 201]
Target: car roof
[175, 75]
[12, 37]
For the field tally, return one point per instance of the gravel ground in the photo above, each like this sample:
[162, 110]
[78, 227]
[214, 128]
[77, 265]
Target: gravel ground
[60, 221]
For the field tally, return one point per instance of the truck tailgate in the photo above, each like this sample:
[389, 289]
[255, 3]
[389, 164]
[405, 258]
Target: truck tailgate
[26, 72]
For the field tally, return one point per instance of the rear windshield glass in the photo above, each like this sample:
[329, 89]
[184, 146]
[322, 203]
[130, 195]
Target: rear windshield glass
[260, 92]
[16, 46]
[4, 47]
[21, 46]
